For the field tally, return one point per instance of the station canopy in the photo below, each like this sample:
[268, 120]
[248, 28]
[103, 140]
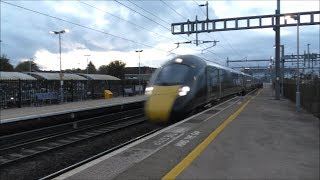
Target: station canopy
[102, 77]
[12, 76]
[56, 76]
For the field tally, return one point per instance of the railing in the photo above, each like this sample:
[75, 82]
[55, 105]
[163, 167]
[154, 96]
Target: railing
[310, 94]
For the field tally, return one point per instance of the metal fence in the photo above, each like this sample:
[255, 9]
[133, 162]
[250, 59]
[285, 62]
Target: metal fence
[22, 93]
[310, 94]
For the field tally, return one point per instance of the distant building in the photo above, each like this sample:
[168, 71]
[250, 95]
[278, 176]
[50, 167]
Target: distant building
[133, 73]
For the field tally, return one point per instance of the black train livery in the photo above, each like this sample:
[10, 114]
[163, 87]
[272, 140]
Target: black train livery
[188, 82]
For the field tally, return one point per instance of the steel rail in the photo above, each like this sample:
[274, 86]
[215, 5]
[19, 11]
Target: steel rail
[53, 143]
[53, 175]
[17, 139]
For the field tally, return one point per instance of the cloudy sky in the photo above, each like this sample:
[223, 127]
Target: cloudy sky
[113, 30]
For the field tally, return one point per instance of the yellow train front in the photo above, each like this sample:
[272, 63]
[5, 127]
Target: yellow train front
[188, 82]
[176, 89]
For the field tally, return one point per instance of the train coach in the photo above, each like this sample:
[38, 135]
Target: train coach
[188, 82]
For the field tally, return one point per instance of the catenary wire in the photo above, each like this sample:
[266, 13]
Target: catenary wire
[236, 52]
[137, 13]
[80, 25]
[141, 14]
[187, 19]
[123, 19]
[148, 18]
[148, 12]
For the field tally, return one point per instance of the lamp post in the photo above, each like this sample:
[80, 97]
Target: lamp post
[311, 63]
[298, 64]
[297, 18]
[87, 55]
[282, 68]
[139, 51]
[30, 64]
[0, 47]
[61, 74]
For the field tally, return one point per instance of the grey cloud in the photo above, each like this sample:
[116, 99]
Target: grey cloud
[23, 32]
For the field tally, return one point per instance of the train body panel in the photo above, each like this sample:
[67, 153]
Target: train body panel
[160, 104]
[188, 82]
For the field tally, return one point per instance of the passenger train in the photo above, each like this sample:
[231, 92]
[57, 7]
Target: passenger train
[188, 82]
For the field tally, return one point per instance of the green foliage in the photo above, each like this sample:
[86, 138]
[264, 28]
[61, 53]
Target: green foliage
[5, 64]
[114, 68]
[25, 66]
[73, 70]
[91, 68]
[103, 69]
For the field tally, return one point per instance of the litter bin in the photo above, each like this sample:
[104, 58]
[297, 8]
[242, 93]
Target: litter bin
[107, 94]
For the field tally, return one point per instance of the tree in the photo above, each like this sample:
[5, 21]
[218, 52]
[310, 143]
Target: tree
[91, 68]
[5, 64]
[116, 68]
[27, 66]
[103, 69]
[75, 70]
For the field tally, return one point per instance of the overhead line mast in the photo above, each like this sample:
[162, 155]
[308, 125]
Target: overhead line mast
[190, 27]
[197, 41]
[207, 15]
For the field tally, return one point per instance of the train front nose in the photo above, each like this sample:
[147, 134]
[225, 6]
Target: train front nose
[159, 104]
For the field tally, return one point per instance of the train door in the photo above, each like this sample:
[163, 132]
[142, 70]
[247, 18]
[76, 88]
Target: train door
[208, 83]
[215, 85]
[221, 81]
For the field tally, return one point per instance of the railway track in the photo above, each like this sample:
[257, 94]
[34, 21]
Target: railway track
[55, 174]
[24, 145]
[77, 146]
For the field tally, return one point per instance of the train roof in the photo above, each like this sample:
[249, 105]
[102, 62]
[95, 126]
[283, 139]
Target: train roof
[210, 63]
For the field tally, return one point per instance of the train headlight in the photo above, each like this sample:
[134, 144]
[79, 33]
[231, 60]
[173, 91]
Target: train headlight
[184, 90]
[148, 90]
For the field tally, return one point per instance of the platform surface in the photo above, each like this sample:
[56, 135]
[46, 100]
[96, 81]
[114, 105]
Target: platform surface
[250, 137]
[24, 112]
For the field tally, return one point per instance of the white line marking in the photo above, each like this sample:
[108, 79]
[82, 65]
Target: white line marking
[105, 157]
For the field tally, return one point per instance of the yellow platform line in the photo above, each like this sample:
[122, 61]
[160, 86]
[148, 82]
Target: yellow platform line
[196, 152]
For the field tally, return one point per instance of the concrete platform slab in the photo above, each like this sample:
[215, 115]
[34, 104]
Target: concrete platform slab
[268, 140]
[265, 139]
[16, 114]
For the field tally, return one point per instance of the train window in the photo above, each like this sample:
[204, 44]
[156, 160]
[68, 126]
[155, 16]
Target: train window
[174, 74]
[214, 79]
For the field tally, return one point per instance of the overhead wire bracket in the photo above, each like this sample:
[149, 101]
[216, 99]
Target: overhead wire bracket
[178, 44]
[214, 43]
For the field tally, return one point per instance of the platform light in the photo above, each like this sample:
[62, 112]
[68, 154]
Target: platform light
[61, 74]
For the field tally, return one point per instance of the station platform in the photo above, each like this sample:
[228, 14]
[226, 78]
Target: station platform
[17, 114]
[249, 137]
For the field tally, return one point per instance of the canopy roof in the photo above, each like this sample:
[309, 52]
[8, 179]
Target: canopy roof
[100, 77]
[56, 76]
[11, 76]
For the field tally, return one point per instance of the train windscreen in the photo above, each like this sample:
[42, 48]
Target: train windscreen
[174, 74]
